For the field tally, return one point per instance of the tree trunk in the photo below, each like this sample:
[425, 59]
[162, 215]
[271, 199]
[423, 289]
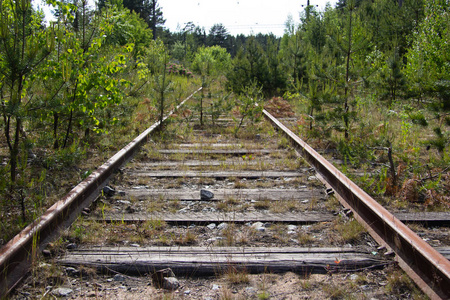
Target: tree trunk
[347, 75]
[55, 130]
[69, 128]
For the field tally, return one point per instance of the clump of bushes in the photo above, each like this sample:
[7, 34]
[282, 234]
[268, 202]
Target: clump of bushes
[177, 69]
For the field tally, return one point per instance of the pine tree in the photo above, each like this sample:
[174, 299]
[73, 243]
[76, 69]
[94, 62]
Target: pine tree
[148, 10]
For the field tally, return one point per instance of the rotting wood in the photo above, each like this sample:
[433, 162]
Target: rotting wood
[215, 217]
[201, 261]
[429, 217]
[228, 146]
[445, 251]
[197, 163]
[218, 151]
[223, 194]
[239, 162]
[215, 174]
[239, 217]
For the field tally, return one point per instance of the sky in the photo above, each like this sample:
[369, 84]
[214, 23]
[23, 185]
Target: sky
[238, 16]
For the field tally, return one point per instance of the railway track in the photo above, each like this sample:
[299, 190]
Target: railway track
[207, 204]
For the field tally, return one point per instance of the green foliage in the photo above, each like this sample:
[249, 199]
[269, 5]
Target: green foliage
[24, 46]
[292, 56]
[127, 28]
[392, 78]
[83, 75]
[248, 106]
[428, 68]
[440, 141]
[211, 61]
[162, 85]
[219, 106]
[249, 65]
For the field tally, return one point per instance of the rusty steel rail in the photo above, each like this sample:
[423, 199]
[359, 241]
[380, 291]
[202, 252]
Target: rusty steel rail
[427, 267]
[18, 255]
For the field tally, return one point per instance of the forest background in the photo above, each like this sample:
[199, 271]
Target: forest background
[370, 80]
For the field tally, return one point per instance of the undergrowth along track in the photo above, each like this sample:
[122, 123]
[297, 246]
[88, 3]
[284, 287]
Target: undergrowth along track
[160, 211]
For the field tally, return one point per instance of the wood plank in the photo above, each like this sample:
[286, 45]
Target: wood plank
[439, 218]
[237, 217]
[219, 151]
[190, 217]
[201, 163]
[445, 251]
[214, 174]
[229, 146]
[236, 164]
[201, 261]
[222, 194]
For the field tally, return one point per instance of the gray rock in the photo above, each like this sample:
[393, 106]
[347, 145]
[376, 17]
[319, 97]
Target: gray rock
[211, 226]
[130, 210]
[123, 202]
[72, 246]
[215, 287]
[72, 271]
[187, 292]
[140, 187]
[206, 195]
[108, 191]
[211, 240]
[158, 278]
[62, 292]
[259, 226]
[222, 226]
[119, 277]
[292, 227]
[171, 283]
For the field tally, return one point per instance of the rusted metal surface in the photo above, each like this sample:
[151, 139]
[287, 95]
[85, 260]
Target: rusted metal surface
[427, 267]
[18, 254]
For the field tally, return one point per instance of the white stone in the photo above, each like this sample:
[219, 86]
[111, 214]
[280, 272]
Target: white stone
[62, 292]
[222, 226]
[211, 226]
[170, 283]
[292, 227]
